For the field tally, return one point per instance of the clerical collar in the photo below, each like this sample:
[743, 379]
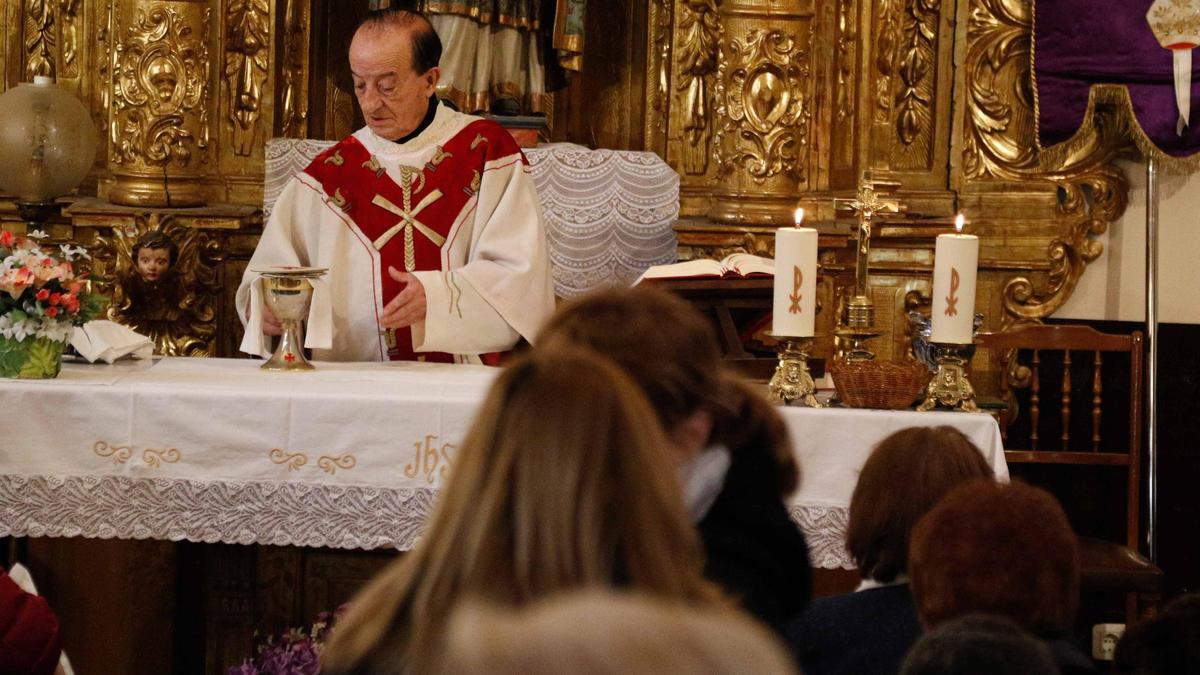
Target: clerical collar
[430, 113]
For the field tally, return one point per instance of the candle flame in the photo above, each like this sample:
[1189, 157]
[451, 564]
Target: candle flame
[958, 223]
[799, 216]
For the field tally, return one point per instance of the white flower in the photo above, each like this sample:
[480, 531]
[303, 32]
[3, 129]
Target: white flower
[37, 234]
[72, 252]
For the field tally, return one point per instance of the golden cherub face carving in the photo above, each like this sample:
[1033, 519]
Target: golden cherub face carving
[162, 75]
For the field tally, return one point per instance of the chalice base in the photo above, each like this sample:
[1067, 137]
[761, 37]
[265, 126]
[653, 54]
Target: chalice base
[289, 355]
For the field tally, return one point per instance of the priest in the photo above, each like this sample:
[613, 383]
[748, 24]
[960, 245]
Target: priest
[427, 220]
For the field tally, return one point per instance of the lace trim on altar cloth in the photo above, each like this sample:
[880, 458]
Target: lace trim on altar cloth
[276, 514]
[279, 514]
[825, 530]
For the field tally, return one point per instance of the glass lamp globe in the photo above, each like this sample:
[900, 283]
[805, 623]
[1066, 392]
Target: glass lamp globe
[47, 144]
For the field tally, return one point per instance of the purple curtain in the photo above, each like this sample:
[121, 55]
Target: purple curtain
[1079, 43]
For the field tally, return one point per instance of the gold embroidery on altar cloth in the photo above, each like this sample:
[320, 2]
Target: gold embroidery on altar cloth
[431, 459]
[331, 463]
[156, 457]
[119, 453]
[293, 460]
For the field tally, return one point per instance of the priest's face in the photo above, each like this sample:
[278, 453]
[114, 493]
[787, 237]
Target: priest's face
[393, 96]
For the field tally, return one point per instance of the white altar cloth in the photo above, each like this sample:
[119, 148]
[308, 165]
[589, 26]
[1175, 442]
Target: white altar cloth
[347, 456]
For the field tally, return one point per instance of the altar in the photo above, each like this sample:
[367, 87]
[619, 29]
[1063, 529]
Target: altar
[217, 450]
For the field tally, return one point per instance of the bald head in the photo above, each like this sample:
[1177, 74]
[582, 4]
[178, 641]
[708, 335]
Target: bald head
[393, 60]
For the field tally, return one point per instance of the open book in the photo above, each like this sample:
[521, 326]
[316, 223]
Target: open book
[731, 266]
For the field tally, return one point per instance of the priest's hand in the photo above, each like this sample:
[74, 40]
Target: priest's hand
[270, 324]
[408, 307]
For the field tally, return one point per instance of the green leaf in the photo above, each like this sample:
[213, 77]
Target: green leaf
[45, 360]
[12, 356]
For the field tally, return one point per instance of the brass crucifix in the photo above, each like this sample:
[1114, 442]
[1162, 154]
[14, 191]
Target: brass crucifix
[408, 218]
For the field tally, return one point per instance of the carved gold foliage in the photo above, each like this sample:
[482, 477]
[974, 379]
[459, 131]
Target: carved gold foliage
[247, 31]
[996, 143]
[293, 108]
[159, 80]
[762, 104]
[887, 40]
[700, 27]
[914, 97]
[658, 70]
[843, 107]
[68, 12]
[177, 311]
[39, 38]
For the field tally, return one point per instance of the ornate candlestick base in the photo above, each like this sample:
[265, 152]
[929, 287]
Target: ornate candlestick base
[792, 381]
[950, 387]
[288, 295]
[857, 339]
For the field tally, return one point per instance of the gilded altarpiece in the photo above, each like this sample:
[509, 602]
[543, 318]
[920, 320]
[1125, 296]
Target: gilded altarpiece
[760, 105]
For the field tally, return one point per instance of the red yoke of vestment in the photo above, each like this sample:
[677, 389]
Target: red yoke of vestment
[409, 222]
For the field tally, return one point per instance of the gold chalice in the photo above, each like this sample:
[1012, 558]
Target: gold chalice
[288, 295]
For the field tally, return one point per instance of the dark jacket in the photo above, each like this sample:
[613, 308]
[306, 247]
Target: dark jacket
[753, 549]
[863, 633]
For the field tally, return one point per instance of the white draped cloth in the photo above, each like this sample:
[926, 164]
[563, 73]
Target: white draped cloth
[218, 450]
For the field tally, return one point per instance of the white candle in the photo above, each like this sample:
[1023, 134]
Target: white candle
[956, 262]
[795, 305]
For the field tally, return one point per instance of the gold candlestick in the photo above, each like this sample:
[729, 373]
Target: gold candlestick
[950, 387]
[792, 380]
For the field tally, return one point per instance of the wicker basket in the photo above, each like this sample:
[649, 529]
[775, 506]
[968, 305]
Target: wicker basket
[879, 384]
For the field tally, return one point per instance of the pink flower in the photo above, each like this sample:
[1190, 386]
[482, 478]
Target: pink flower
[54, 297]
[7, 239]
[42, 295]
[51, 312]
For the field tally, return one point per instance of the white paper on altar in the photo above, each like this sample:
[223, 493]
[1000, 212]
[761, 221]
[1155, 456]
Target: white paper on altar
[108, 341]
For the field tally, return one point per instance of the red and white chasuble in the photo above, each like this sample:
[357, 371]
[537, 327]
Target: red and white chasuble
[455, 206]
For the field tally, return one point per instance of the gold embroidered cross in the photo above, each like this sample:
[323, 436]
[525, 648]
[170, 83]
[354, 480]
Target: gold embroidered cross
[408, 217]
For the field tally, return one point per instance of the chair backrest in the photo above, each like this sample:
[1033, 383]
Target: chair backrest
[1067, 362]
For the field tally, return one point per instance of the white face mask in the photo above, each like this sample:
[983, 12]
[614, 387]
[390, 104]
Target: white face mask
[702, 478]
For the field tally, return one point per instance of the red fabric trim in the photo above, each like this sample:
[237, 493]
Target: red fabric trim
[346, 176]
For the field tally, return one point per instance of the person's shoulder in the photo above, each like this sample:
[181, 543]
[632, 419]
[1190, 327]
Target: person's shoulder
[336, 156]
[481, 134]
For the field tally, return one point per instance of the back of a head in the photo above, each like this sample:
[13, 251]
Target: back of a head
[599, 633]
[906, 475]
[979, 644]
[998, 549]
[1167, 644]
[671, 352]
[660, 340]
[560, 484]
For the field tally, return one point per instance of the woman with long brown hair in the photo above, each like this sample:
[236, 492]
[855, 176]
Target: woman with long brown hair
[732, 446]
[560, 484]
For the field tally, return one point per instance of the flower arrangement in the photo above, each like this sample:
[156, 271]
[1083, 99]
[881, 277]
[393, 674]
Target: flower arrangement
[41, 301]
[295, 652]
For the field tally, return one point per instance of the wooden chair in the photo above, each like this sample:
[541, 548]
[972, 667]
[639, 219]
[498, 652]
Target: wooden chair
[1024, 352]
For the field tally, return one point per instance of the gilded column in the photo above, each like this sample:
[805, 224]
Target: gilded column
[160, 102]
[764, 101]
